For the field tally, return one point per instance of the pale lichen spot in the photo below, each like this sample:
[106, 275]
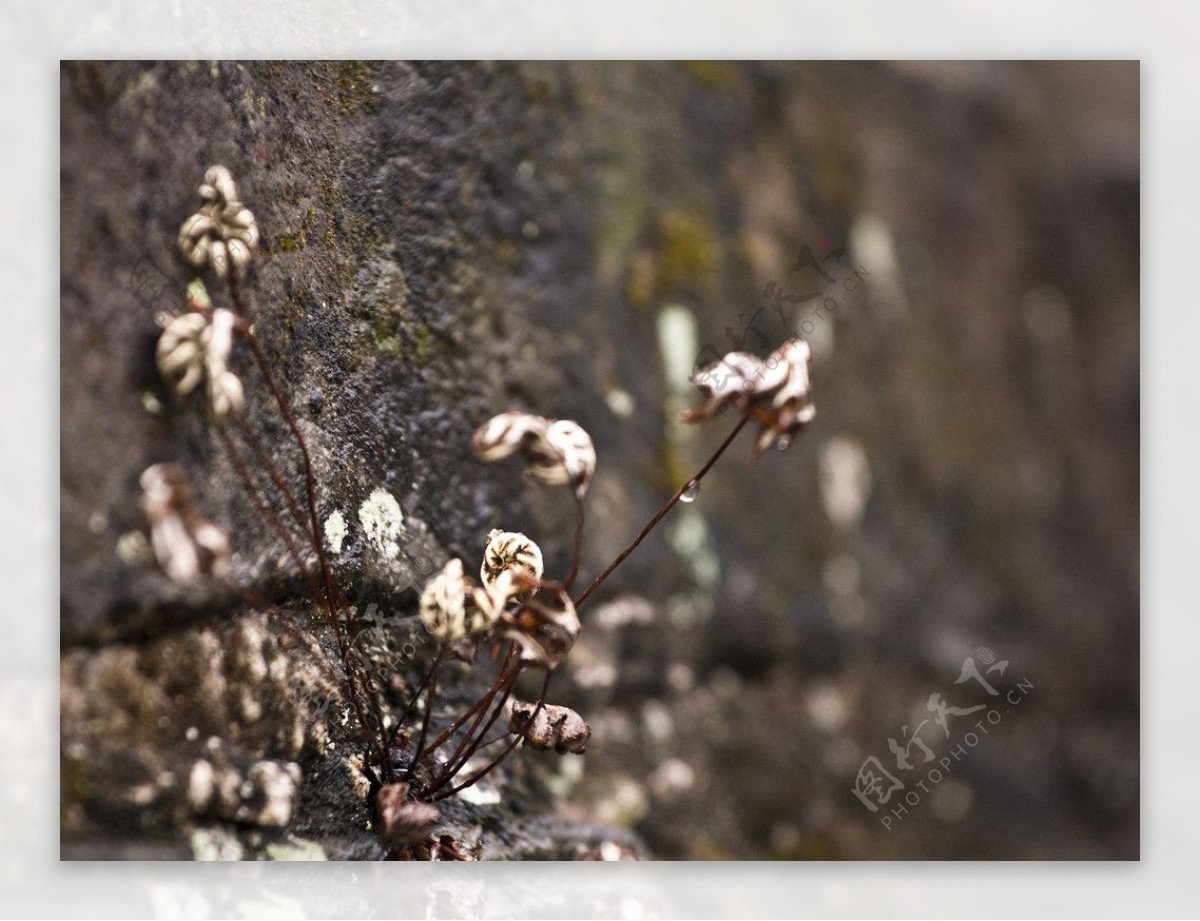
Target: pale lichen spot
[382, 521]
[335, 531]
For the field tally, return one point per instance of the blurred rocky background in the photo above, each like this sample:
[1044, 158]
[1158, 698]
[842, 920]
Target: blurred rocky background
[959, 243]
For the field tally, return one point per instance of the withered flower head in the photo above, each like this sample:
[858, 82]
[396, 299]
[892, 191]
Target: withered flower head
[509, 550]
[443, 603]
[223, 233]
[545, 626]
[557, 452]
[775, 391]
[195, 346]
[185, 544]
[452, 607]
[548, 727]
[403, 822]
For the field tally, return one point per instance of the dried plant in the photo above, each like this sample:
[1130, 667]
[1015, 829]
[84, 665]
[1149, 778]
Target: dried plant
[524, 620]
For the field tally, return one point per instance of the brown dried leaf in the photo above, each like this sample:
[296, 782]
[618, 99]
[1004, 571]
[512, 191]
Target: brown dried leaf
[402, 821]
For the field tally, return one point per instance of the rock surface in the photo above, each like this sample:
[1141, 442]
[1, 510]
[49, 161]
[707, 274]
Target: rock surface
[446, 241]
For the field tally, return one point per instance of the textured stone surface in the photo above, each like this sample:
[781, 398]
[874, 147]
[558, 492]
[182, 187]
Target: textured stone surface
[445, 241]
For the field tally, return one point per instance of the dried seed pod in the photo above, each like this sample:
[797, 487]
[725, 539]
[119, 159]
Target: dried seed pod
[446, 847]
[453, 608]
[403, 822]
[776, 391]
[558, 452]
[223, 234]
[185, 544]
[507, 551]
[548, 727]
[443, 603]
[545, 626]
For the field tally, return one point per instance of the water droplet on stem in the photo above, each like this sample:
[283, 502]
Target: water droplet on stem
[690, 494]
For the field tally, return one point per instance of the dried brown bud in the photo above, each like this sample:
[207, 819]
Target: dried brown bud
[403, 822]
[545, 626]
[185, 544]
[558, 452]
[548, 727]
[776, 391]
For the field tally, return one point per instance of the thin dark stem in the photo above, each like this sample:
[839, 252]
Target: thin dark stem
[470, 743]
[488, 697]
[577, 547]
[437, 660]
[309, 481]
[331, 588]
[429, 699]
[483, 701]
[492, 741]
[273, 520]
[273, 472]
[259, 602]
[499, 709]
[517, 738]
[658, 516]
[265, 509]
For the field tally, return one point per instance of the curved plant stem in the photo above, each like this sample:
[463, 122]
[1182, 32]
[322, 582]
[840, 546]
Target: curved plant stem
[489, 696]
[429, 699]
[475, 735]
[273, 520]
[483, 701]
[273, 472]
[658, 516]
[331, 588]
[577, 547]
[517, 738]
[437, 660]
